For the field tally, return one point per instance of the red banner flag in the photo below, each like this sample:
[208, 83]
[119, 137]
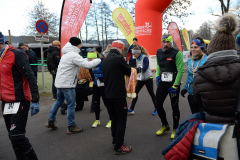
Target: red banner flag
[73, 15]
[174, 32]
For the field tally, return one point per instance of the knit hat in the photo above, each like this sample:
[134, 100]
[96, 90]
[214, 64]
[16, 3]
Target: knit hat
[1, 38]
[167, 38]
[118, 44]
[199, 43]
[75, 41]
[223, 38]
[99, 49]
[20, 44]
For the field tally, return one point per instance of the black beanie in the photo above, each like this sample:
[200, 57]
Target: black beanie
[75, 41]
[20, 44]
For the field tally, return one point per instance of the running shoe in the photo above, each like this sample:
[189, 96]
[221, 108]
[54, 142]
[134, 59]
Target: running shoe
[123, 150]
[155, 112]
[130, 111]
[74, 129]
[109, 124]
[96, 123]
[54, 98]
[173, 133]
[51, 124]
[162, 130]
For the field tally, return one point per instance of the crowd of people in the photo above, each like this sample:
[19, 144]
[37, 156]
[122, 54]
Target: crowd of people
[209, 73]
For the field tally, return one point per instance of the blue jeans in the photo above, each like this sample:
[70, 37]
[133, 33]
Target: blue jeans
[70, 95]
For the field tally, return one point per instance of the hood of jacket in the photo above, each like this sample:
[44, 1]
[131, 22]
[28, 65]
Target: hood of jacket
[52, 48]
[70, 48]
[221, 67]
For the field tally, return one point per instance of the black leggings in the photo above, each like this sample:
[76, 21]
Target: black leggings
[149, 85]
[162, 92]
[97, 93]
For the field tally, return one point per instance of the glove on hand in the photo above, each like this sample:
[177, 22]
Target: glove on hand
[158, 80]
[173, 91]
[183, 92]
[139, 69]
[34, 108]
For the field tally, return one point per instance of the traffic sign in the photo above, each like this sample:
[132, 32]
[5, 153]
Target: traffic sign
[43, 38]
[42, 26]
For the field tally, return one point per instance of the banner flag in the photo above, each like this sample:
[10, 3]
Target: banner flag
[174, 32]
[73, 15]
[186, 37]
[124, 21]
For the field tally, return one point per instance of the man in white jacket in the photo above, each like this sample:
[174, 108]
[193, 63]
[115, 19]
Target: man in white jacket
[66, 81]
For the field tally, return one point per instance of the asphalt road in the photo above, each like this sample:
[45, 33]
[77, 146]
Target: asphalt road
[95, 143]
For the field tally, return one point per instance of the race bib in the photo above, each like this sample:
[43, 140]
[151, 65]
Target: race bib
[11, 108]
[139, 76]
[99, 83]
[167, 76]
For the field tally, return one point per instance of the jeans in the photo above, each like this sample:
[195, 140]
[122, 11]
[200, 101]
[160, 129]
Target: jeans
[16, 125]
[118, 110]
[68, 94]
[149, 85]
[162, 92]
[54, 89]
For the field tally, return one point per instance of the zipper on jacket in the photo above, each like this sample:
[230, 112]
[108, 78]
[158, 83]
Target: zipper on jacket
[74, 80]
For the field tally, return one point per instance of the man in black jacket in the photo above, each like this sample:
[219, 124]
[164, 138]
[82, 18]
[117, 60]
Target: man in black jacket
[33, 59]
[55, 56]
[114, 70]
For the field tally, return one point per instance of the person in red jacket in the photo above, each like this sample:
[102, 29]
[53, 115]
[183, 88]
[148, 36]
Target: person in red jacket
[18, 88]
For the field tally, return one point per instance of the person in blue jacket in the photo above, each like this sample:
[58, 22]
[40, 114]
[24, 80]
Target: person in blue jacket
[197, 60]
[98, 89]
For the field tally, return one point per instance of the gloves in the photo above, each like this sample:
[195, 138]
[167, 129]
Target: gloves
[139, 69]
[173, 91]
[34, 108]
[158, 80]
[183, 92]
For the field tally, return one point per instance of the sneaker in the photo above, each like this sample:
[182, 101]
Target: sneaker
[130, 111]
[109, 124]
[155, 112]
[96, 123]
[51, 124]
[54, 99]
[162, 130]
[74, 129]
[173, 133]
[123, 150]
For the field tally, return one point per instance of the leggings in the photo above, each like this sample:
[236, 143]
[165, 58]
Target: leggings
[97, 93]
[162, 92]
[149, 85]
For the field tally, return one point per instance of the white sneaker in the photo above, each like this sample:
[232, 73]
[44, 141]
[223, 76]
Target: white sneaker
[96, 123]
[109, 124]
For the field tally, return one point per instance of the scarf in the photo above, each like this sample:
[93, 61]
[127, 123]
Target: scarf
[3, 52]
[198, 57]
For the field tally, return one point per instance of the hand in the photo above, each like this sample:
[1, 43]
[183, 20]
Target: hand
[34, 108]
[183, 92]
[139, 69]
[158, 80]
[173, 91]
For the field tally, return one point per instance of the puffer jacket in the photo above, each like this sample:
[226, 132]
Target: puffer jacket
[69, 66]
[215, 86]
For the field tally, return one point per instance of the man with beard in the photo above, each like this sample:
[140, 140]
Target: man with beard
[169, 72]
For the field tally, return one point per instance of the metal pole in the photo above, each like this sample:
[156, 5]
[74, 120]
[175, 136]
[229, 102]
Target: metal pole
[42, 66]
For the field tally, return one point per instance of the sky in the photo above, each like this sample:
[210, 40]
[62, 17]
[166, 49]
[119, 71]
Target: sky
[14, 12]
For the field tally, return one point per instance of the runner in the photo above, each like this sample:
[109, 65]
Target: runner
[98, 89]
[66, 81]
[144, 77]
[114, 70]
[170, 69]
[197, 60]
[131, 61]
[18, 88]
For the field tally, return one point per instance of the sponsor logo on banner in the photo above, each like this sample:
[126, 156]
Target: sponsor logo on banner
[144, 30]
[73, 16]
[124, 25]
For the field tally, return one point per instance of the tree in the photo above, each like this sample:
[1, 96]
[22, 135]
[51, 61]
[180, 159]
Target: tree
[176, 9]
[226, 6]
[40, 11]
[206, 31]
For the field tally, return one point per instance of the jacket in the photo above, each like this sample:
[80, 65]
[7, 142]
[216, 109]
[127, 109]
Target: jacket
[17, 80]
[55, 57]
[215, 86]
[180, 146]
[170, 61]
[114, 69]
[69, 66]
[97, 73]
[33, 59]
[189, 82]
